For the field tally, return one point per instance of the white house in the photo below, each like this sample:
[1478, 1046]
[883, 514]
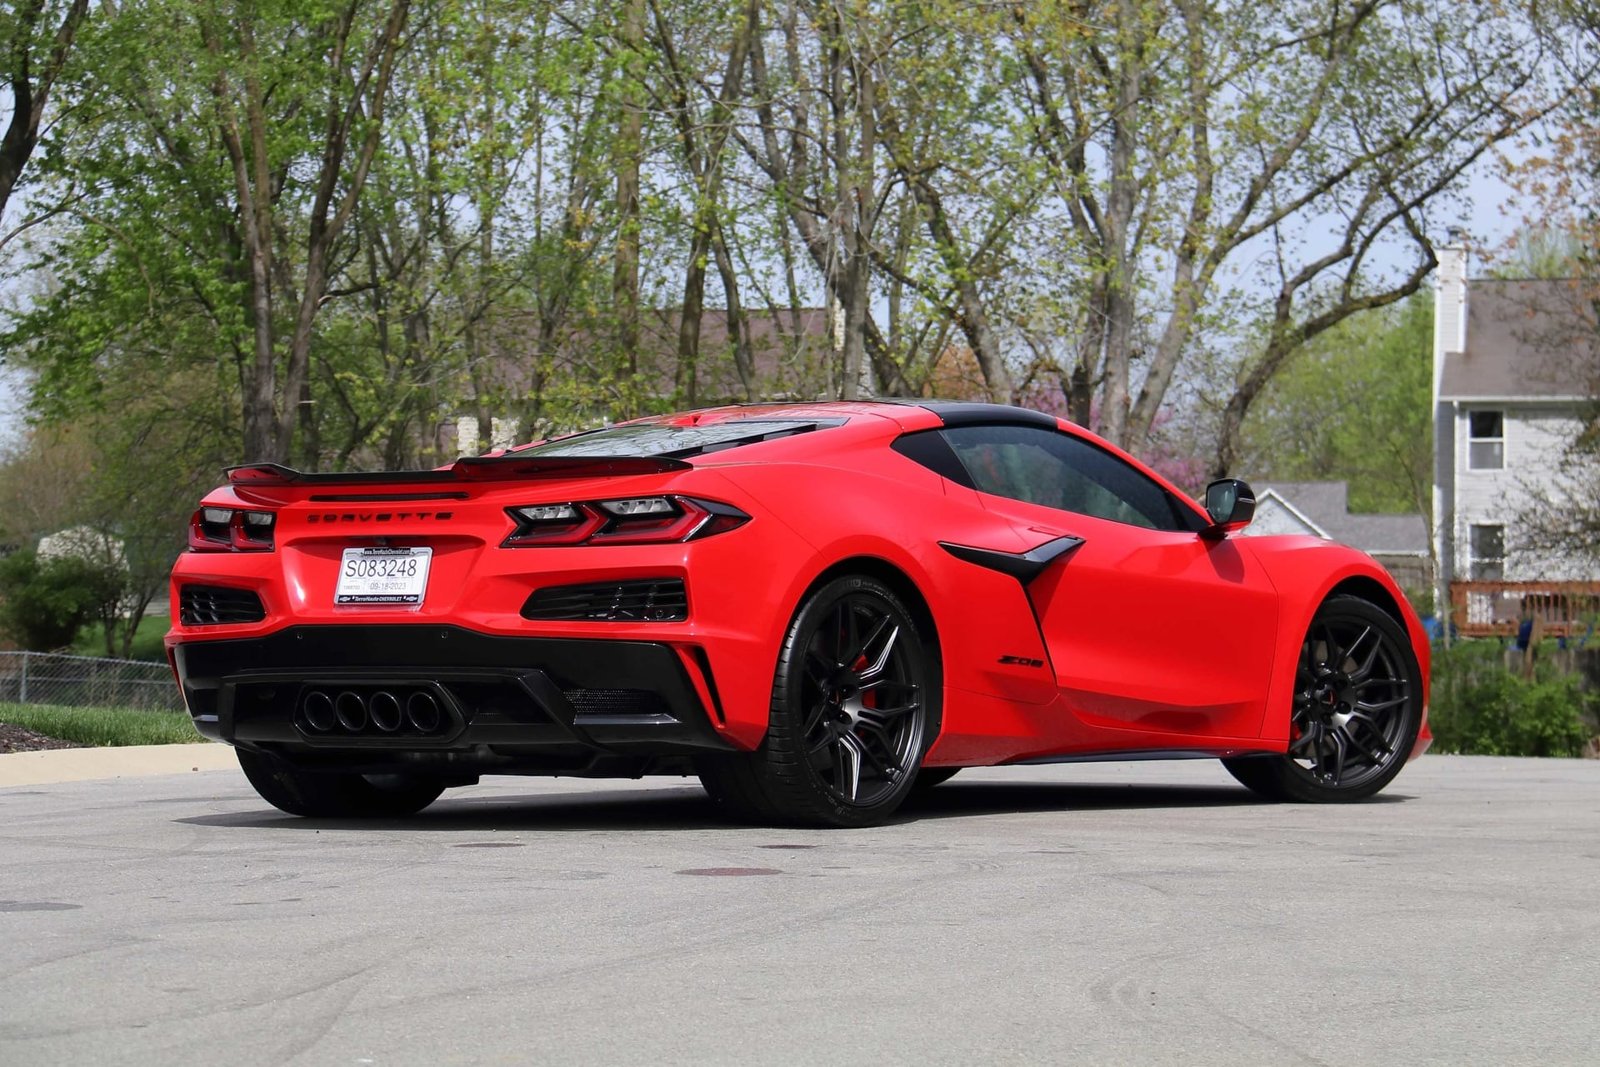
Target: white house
[1513, 366]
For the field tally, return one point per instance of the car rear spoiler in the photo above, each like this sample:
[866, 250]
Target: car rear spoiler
[507, 467]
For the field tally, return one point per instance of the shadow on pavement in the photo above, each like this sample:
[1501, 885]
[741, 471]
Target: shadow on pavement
[685, 807]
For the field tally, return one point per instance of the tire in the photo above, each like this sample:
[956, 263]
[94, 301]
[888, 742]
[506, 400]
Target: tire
[929, 777]
[1357, 709]
[855, 703]
[334, 795]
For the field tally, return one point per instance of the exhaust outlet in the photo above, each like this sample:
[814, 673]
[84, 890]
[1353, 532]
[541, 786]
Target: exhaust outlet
[351, 710]
[316, 712]
[384, 707]
[423, 712]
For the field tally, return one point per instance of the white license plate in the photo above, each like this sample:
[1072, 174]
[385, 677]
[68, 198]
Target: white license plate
[397, 577]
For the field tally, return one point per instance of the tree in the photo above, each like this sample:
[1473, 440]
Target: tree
[1183, 137]
[45, 603]
[342, 222]
[1355, 406]
[37, 39]
[233, 147]
[704, 143]
[123, 484]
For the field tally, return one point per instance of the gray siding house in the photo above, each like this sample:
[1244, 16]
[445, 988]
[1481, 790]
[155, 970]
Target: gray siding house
[1513, 367]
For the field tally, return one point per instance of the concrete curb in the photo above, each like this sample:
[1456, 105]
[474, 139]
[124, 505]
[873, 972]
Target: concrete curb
[128, 761]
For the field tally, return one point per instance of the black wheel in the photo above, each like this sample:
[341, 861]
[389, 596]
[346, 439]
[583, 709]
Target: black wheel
[929, 777]
[332, 795]
[855, 705]
[1357, 710]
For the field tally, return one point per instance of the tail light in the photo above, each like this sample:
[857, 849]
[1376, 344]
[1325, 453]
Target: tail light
[645, 520]
[215, 529]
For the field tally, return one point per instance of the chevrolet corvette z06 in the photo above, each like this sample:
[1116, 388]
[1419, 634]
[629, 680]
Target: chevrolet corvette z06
[816, 608]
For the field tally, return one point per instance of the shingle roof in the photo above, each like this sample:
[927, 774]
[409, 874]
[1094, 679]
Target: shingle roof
[1526, 338]
[1328, 505]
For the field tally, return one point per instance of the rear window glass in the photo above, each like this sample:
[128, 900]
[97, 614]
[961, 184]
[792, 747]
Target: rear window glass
[672, 442]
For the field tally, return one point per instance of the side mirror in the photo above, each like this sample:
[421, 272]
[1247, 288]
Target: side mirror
[1231, 505]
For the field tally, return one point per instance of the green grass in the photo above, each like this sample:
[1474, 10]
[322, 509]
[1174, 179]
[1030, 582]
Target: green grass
[146, 639]
[103, 726]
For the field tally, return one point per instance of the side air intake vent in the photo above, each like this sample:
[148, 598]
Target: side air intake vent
[639, 600]
[214, 605]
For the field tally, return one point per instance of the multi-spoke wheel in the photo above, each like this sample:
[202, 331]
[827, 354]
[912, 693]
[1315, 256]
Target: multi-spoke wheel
[855, 704]
[335, 795]
[1357, 710]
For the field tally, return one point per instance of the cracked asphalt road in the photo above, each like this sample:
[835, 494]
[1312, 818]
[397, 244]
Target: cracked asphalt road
[1098, 914]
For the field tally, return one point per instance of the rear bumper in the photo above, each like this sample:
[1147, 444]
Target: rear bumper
[505, 704]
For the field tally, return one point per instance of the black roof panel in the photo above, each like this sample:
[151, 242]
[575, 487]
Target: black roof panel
[964, 413]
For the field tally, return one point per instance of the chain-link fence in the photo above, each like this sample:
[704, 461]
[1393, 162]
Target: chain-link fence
[86, 681]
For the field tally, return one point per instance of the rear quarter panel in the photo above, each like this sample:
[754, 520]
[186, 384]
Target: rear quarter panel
[890, 510]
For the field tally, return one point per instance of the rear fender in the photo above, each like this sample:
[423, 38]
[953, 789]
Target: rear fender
[988, 638]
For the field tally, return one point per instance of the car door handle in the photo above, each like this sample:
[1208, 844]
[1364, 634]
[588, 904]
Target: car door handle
[1023, 566]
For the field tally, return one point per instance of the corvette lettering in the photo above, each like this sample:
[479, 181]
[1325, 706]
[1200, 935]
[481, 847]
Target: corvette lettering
[381, 516]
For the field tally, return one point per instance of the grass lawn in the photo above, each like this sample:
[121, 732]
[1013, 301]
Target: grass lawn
[146, 640]
[103, 726]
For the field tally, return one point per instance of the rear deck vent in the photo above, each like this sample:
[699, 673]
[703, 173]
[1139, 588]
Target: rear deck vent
[215, 605]
[637, 600]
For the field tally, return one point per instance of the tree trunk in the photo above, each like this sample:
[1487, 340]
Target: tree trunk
[625, 271]
[28, 94]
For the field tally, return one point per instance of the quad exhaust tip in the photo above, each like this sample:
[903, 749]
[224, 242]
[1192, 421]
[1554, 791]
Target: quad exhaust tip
[422, 710]
[352, 711]
[317, 712]
[384, 707]
[356, 712]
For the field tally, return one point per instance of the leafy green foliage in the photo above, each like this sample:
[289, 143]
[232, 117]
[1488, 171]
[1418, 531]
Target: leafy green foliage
[321, 232]
[1479, 707]
[1354, 406]
[103, 726]
[44, 603]
[146, 644]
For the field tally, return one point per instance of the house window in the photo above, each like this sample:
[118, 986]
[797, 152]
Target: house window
[1486, 440]
[1488, 553]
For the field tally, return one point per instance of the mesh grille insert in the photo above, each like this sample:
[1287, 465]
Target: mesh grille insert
[628, 703]
[213, 605]
[637, 600]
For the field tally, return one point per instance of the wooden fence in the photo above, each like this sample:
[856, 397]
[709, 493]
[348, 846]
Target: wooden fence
[1562, 609]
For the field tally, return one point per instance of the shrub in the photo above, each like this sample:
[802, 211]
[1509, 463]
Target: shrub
[1480, 707]
[44, 603]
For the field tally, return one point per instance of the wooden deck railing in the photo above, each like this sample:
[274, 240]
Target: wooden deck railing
[1486, 609]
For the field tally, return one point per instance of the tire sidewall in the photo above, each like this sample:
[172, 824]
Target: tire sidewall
[785, 732]
[1300, 785]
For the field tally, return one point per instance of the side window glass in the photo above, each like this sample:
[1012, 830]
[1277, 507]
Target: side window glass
[1060, 471]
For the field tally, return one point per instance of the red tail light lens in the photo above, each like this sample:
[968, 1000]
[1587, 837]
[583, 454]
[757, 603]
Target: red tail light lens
[646, 520]
[214, 529]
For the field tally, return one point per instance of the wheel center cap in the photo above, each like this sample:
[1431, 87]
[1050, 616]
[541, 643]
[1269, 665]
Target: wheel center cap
[852, 706]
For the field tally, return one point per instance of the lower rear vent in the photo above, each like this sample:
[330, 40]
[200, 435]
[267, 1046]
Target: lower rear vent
[636, 600]
[617, 703]
[215, 605]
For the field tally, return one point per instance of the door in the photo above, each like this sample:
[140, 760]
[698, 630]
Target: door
[1150, 627]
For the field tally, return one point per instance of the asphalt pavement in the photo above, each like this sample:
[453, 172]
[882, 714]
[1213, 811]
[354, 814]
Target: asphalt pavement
[1096, 914]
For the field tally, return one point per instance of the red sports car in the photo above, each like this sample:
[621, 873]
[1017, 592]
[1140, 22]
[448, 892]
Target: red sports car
[816, 608]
